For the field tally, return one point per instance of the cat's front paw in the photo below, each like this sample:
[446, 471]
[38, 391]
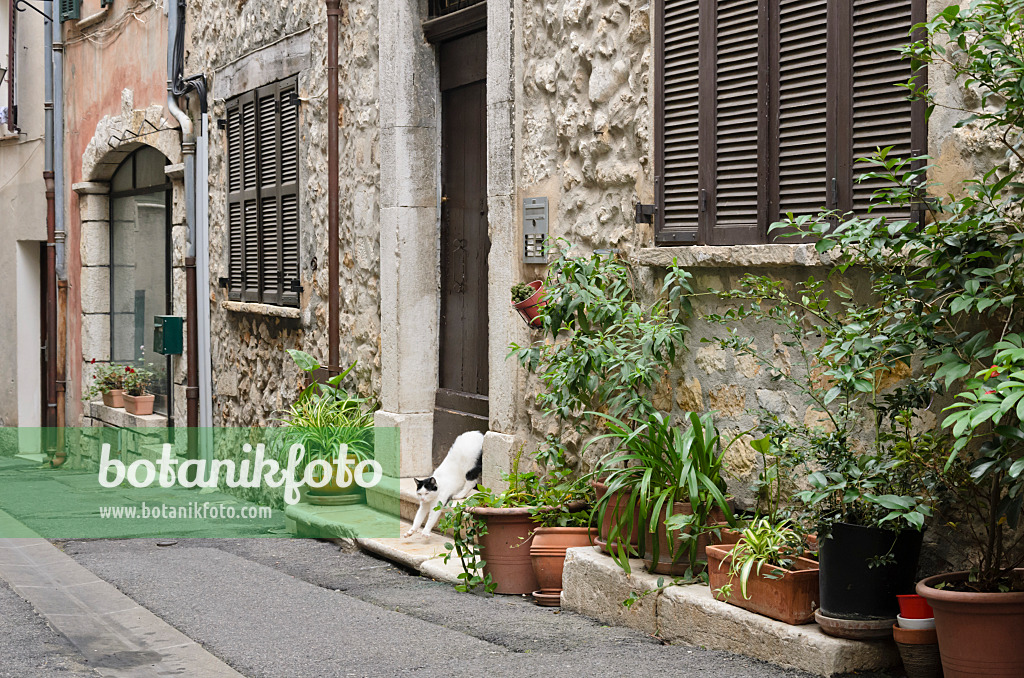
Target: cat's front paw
[427, 533]
[408, 533]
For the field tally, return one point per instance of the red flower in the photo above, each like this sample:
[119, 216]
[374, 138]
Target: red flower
[990, 391]
[93, 361]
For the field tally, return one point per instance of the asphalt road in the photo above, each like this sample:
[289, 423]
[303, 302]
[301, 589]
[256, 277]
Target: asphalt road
[287, 607]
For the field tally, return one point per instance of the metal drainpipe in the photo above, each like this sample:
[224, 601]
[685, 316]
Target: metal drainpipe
[51, 353]
[333, 303]
[60, 236]
[188, 151]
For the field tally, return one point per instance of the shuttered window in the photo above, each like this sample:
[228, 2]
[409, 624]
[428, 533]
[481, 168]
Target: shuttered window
[70, 9]
[263, 195]
[762, 107]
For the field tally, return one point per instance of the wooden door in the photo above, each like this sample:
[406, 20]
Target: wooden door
[461, 400]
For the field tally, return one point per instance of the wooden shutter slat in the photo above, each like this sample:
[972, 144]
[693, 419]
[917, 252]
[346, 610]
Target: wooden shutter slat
[736, 118]
[235, 238]
[269, 205]
[676, 121]
[289, 173]
[801, 183]
[879, 112]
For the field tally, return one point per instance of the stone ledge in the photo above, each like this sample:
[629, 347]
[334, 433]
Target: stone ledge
[175, 171]
[703, 256]
[91, 188]
[595, 586]
[262, 309]
[115, 416]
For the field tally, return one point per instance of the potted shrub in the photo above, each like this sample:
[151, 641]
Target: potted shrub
[563, 517]
[326, 419]
[492, 534]
[670, 478]
[769, 564]
[108, 382]
[527, 299]
[137, 400]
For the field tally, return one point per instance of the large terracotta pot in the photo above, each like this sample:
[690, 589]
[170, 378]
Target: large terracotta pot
[616, 505]
[548, 553]
[505, 548]
[790, 598]
[667, 562]
[980, 634]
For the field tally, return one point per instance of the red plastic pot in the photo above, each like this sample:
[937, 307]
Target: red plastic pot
[530, 307]
[913, 606]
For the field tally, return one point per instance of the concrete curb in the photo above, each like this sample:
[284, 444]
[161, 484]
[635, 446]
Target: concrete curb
[595, 586]
[117, 637]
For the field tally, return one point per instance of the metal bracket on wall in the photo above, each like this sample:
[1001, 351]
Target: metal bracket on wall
[22, 5]
[645, 213]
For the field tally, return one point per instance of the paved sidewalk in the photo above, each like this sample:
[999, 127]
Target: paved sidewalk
[113, 634]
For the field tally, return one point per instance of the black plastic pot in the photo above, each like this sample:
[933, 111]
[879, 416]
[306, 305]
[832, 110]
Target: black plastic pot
[849, 587]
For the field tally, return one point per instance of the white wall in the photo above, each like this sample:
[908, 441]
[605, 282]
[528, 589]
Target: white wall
[28, 327]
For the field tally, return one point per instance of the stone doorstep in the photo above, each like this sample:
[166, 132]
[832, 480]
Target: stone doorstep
[418, 553]
[595, 586]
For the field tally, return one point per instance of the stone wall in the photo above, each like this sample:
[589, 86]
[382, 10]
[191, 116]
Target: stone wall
[584, 114]
[253, 377]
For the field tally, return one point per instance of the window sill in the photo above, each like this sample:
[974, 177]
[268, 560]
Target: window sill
[115, 416]
[760, 256]
[262, 309]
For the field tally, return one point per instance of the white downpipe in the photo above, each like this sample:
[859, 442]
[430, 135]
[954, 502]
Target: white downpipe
[203, 281]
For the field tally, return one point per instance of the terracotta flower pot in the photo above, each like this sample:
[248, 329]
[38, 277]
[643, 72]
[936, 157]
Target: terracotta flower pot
[919, 650]
[530, 307]
[791, 598]
[139, 405]
[673, 558]
[980, 634]
[616, 506]
[334, 488]
[548, 553]
[505, 548]
[114, 398]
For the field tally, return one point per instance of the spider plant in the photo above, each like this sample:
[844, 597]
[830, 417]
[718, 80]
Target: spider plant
[655, 465]
[765, 542]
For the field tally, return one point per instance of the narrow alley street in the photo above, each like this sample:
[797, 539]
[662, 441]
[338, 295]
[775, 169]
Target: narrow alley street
[288, 607]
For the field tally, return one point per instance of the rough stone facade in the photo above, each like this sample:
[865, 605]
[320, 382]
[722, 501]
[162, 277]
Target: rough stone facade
[253, 376]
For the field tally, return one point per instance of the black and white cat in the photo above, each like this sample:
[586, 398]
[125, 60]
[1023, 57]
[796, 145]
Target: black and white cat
[455, 478]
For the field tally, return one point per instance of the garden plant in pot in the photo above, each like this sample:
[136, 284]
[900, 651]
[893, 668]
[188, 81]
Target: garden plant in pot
[108, 382]
[528, 299]
[863, 443]
[492, 533]
[605, 347]
[562, 514]
[971, 262]
[335, 430]
[770, 565]
[671, 477]
[137, 400]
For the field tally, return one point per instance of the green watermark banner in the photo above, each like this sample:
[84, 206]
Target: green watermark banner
[105, 482]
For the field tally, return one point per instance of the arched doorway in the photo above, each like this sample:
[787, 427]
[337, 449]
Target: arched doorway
[140, 265]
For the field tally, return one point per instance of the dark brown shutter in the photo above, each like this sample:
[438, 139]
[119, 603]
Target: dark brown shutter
[799, 110]
[879, 113]
[289, 191]
[269, 203]
[250, 198]
[235, 199]
[676, 123]
[731, 167]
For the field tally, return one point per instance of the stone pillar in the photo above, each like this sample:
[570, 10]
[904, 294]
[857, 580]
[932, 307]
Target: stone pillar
[503, 228]
[94, 208]
[409, 172]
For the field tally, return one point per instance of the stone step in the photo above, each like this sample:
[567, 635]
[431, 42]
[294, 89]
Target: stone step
[595, 586]
[382, 496]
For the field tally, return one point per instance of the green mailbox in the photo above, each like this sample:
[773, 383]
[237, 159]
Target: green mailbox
[167, 334]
